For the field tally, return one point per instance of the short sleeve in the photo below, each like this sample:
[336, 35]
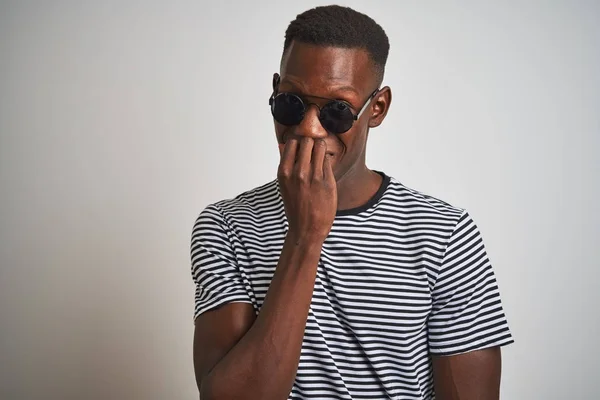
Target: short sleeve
[215, 269]
[467, 313]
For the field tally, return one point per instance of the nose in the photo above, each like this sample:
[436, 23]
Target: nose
[310, 126]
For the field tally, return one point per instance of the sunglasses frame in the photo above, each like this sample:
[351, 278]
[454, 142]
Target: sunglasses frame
[355, 117]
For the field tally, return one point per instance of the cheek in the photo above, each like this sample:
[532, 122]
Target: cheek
[279, 137]
[355, 142]
[346, 144]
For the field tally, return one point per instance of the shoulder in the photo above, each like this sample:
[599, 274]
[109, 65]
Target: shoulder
[250, 202]
[411, 201]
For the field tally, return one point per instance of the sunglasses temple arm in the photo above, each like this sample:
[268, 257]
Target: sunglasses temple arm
[364, 107]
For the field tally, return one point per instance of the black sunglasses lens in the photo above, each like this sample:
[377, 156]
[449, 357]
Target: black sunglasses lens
[287, 109]
[336, 117]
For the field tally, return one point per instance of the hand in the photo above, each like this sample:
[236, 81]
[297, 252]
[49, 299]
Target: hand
[308, 189]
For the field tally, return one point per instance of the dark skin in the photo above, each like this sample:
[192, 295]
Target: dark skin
[241, 355]
[342, 74]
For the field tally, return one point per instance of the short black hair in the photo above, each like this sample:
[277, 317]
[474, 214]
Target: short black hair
[343, 27]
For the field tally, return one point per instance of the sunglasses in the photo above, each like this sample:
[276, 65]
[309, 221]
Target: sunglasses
[336, 116]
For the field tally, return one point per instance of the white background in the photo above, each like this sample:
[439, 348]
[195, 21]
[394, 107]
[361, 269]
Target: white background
[120, 121]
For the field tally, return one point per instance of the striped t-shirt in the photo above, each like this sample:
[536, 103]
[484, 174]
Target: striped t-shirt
[399, 279]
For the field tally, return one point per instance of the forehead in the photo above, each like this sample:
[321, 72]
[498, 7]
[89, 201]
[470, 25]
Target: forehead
[319, 70]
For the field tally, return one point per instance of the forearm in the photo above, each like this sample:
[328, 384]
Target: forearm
[263, 363]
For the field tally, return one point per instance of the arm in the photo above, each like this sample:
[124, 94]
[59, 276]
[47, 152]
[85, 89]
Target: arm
[470, 376]
[237, 357]
[467, 325]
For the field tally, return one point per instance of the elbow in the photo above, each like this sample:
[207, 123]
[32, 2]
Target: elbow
[228, 389]
[208, 390]
[226, 392]
[205, 390]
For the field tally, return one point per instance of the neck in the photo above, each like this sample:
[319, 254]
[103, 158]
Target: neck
[357, 187]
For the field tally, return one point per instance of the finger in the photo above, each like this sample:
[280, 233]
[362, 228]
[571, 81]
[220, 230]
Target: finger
[328, 175]
[304, 154]
[288, 157]
[318, 156]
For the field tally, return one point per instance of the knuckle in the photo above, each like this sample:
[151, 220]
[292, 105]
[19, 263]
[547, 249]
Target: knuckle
[302, 176]
[284, 173]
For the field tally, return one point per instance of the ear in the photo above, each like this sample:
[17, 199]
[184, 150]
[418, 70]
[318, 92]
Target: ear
[276, 80]
[381, 105]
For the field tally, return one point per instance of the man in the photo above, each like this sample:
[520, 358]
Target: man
[334, 281]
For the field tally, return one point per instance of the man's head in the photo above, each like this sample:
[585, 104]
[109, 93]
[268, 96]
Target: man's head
[330, 54]
[342, 27]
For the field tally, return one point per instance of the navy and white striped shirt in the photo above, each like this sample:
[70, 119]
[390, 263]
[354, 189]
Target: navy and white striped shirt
[403, 277]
